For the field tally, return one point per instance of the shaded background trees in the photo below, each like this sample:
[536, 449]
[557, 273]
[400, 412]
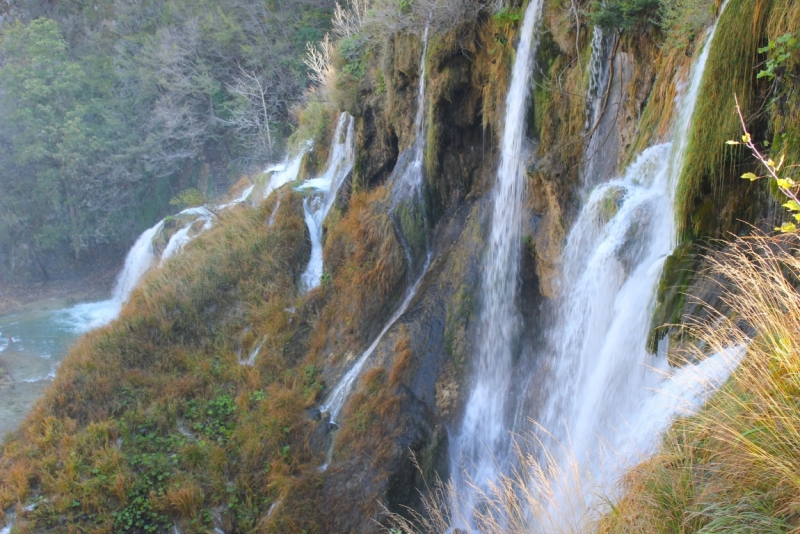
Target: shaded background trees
[110, 108]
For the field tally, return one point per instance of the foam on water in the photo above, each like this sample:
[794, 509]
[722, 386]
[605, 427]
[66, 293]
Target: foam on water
[322, 195]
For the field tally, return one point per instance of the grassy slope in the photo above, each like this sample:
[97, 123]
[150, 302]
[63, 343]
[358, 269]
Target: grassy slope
[152, 417]
[153, 421]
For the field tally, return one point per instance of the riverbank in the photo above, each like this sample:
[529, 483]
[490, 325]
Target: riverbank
[93, 283]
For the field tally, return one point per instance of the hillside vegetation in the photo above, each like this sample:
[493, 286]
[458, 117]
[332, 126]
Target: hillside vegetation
[199, 407]
[111, 108]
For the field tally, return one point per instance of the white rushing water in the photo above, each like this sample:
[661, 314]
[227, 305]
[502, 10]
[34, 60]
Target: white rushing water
[407, 183]
[607, 398]
[141, 257]
[334, 402]
[43, 332]
[283, 173]
[480, 448]
[602, 109]
[407, 176]
[322, 195]
[408, 212]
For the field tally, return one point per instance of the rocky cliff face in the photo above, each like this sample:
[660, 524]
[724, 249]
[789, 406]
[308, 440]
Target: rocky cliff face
[597, 100]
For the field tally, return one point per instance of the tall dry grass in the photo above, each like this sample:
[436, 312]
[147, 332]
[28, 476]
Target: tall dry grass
[734, 467]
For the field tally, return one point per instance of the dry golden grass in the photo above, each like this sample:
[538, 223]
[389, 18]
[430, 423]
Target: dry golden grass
[735, 467]
[536, 496]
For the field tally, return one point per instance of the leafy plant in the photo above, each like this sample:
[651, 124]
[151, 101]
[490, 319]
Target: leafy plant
[507, 15]
[188, 198]
[780, 52]
[786, 185]
[352, 49]
[622, 14]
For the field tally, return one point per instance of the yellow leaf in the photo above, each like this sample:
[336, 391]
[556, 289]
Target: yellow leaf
[746, 138]
[787, 227]
[792, 205]
[785, 183]
[732, 143]
[750, 176]
[771, 163]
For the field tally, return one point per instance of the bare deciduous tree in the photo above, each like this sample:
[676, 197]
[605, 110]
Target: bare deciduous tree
[251, 120]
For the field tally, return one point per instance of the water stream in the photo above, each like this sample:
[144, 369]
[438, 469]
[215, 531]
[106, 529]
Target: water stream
[408, 211]
[607, 399]
[407, 181]
[322, 196]
[603, 392]
[479, 452]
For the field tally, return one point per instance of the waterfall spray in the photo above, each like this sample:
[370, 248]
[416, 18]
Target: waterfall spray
[480, 448]
[602, 377]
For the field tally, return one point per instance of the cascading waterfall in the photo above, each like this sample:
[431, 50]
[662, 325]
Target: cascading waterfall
[408, 214]
[141, 257]
[323, 194]
[607, 398]
[407, 186]
[284, 172]
[480, 449]
[602, 106]
[334, 403]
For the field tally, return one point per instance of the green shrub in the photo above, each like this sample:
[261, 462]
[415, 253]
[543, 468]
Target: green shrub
[622, 14]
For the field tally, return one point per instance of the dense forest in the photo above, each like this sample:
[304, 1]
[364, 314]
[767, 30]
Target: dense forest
[405, 266]
[112, 108]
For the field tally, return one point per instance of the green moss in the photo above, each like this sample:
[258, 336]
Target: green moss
[709, 161]
[675, 278]
[459, 312]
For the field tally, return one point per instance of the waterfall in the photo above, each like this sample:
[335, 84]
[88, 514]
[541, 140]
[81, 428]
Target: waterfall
[602, 107]
[606, 398]
[480, 448]
[334, 403]
[141, 257]
[323, 194]
[407, 186]
[407, 176]
[408, 213]
[284, 172]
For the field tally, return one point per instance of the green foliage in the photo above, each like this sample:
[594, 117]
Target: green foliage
[59, 129]
[709, 161]
[353, 50]
[622, 14]
[779, 54]
[97, 119]
[684, 21]
[188, 198]
[507, 15]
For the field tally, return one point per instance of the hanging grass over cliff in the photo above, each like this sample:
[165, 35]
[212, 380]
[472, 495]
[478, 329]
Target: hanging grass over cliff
[709, 162]
[734, 467]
